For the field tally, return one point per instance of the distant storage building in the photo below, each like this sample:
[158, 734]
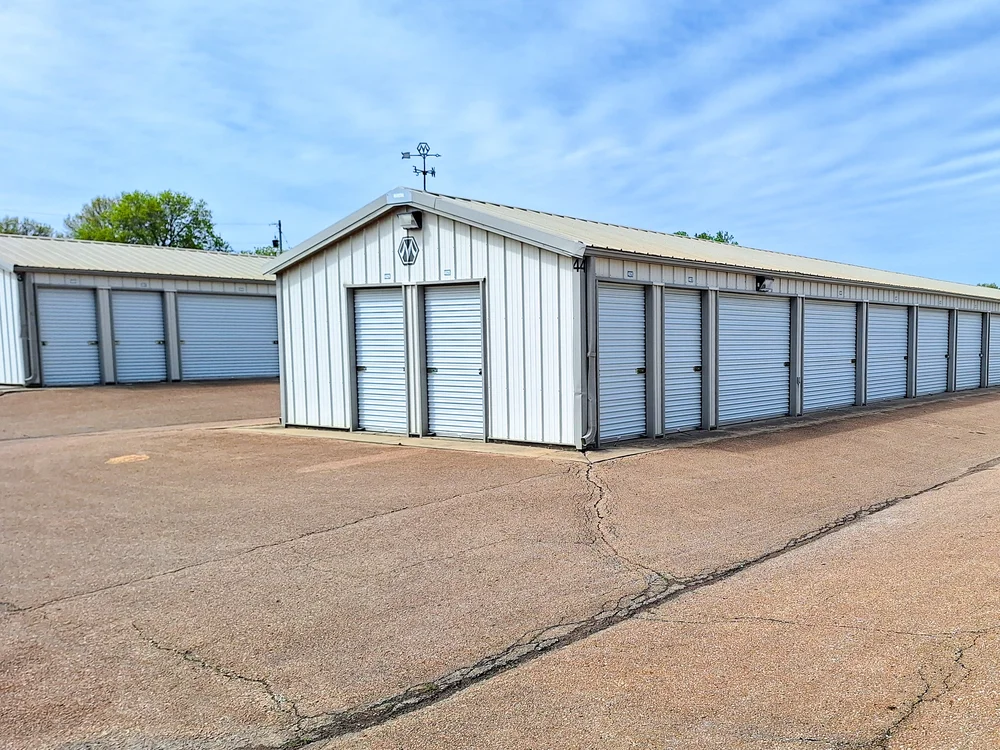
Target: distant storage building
[425, 314]
[81, 313]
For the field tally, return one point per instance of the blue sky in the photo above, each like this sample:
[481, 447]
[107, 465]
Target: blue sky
[867, 132]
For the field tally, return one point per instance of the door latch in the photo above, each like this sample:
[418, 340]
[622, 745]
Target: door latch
[361, 368]
[697, 368]
[788, 364]
[431, 370]
[93, 343]
[160, 342]
[640, 370]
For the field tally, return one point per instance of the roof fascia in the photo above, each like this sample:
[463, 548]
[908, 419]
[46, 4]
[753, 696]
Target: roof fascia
[403, 197]
[732, 268]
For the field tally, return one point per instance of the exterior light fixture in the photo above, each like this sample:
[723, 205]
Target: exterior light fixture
[765, 283]
[409, 220]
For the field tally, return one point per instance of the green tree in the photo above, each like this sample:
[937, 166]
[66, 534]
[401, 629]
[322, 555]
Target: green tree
[267, 250]
[29, 227]
[990, 284]
[723, 237]
[140, 218]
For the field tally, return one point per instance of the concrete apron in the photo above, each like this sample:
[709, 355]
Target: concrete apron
[691, 438]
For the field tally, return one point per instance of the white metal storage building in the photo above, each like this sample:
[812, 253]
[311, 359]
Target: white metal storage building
[79, 313]
[425, 314]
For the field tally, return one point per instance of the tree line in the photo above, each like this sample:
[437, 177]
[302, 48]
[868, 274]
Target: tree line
[166, 219]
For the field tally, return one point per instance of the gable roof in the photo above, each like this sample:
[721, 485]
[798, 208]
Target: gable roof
[573, 236]
[18, 252]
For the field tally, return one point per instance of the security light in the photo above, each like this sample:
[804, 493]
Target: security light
[409, 220]
[765, 283]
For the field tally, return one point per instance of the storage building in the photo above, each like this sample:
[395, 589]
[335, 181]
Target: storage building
[79, 313]
[424, 314]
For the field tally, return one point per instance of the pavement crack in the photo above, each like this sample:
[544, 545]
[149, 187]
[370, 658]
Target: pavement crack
[281, 703]
[546, 640]
[269, 545]
[598, 510]
[933, 691]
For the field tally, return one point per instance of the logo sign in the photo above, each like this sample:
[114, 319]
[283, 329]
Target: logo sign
[408, 250]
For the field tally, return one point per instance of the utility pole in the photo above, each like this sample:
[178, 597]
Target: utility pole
[423, 151]
[280, 242]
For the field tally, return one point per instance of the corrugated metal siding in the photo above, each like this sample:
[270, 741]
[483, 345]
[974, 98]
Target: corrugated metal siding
[829, 355]
[453, 325]
[969, 347]
[681, 360]
[227, 336]
[887, 352]
[140, 341]
[380, 358]
[994, 372]
[154, 284]
[754, 348]
[67, 325]
[621, 361]
[932, 351]
[532, 310]
[11, 351]
[676, 274]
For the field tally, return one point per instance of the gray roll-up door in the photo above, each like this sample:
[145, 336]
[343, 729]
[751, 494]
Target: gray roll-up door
[621, 361]
[754, 346]
[932, 351]
[681, 360]
[994, 372]
[227, 336]
[829, 358]
[887, 352]
[67, 327]
[380, 358]
[969, 351]
[140, 350]
[453, 325]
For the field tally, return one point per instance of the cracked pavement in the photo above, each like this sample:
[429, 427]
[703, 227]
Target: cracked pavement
[245, 590]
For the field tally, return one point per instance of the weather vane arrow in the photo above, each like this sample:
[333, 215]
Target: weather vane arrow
[424, 152]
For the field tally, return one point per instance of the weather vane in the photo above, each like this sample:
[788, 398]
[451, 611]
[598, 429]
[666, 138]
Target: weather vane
[423, 151]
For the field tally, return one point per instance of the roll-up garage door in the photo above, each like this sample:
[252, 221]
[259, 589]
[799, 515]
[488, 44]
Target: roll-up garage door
[932, 351]
[830, 350]
[380, 357]
[227, 336]
[754, 339]
[969, 348]
[67, 326]
[621, 360]
[681, 360]
[887, 347]
[140, 353]
[453, 324]
[994, 378]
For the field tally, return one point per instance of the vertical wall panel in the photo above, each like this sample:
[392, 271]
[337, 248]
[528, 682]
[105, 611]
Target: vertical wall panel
[994, 373]
[514, 280]
[11, 351]
[572, 342]
[550, 427]
[531, 311]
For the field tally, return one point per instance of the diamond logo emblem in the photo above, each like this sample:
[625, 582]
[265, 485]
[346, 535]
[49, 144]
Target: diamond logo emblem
[408, 250]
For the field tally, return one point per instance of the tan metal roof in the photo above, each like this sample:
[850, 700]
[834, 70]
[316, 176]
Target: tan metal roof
[84, 256]
[661, 245]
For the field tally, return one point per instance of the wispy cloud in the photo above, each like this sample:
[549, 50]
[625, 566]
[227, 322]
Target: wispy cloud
[864, 131]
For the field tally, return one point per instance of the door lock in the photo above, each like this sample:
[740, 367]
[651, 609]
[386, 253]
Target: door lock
[697, 368]
[640, 370]
[431, 370]
[361, 368]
